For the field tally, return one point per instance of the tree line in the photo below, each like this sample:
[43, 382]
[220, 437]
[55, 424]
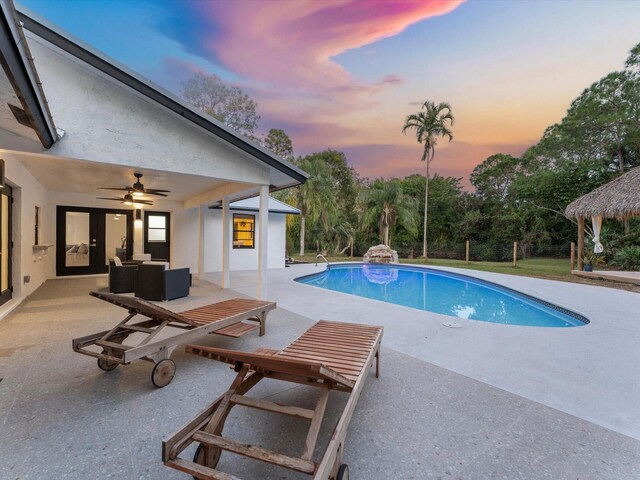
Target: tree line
[515, 198]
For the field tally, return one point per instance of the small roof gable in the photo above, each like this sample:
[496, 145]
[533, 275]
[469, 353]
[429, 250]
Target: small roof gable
[253, 205]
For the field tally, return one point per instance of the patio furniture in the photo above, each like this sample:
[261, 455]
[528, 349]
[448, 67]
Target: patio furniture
[329, 356]
[155, 281]
[121, 276]
[228, 318]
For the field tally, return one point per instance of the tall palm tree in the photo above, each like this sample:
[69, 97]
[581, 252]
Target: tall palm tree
[316, 200]
[430, 123]
[388, 205]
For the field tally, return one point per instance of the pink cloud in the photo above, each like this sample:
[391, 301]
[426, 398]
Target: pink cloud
[292, 44]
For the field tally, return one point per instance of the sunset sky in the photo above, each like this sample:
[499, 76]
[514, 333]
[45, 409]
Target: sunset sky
[344, 74]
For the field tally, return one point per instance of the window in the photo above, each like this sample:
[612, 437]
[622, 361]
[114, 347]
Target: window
[243, 230]
[156, 228]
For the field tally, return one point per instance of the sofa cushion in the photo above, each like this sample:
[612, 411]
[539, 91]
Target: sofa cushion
[154, 262]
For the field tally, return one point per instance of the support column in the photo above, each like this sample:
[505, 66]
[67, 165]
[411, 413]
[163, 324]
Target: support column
[263, 242]
[580, 242]
[201, 212]
[226, 242]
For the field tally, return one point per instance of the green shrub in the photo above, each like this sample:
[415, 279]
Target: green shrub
[628, 258]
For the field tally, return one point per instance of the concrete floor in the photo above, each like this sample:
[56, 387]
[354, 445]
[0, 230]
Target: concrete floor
[589, 371]
[62, 418]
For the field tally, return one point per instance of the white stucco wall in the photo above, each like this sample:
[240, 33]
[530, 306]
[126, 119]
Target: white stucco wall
[243, 258]
[105, 121]
[27, 193]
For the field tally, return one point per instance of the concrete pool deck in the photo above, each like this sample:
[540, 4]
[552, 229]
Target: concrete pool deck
[62, 418]
[589, 371]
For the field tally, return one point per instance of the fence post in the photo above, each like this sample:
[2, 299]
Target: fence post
[515, 254]
[573, 255]
[467, 252]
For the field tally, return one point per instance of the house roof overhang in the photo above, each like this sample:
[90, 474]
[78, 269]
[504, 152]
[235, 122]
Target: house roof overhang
[148, 89]
[253, 205]
[16, 63]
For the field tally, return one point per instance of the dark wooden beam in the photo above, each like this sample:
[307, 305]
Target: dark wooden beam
[16, 68]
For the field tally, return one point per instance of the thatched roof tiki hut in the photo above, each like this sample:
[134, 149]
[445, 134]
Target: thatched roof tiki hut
[619, 199]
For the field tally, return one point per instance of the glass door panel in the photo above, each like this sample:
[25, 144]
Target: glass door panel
[88, 238]
[77, 239]
[6, 245]
[115, 237]
[5, 227]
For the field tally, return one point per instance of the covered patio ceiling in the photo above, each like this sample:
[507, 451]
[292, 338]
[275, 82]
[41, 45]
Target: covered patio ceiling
[82, 176]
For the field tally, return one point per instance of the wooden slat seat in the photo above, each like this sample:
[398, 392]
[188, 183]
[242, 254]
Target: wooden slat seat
[232, 318]
[342, 354]
[344, 350]
[329, 356]
[218, 311]
[236, 330]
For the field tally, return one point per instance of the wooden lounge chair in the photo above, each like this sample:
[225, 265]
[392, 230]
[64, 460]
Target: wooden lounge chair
[227, 318]
[329, 356]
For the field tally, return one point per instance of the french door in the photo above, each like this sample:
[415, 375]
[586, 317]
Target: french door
[87, 238]
[6, 244]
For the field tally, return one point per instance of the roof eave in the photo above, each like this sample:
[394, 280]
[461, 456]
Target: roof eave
[145, 87]
[18, 66]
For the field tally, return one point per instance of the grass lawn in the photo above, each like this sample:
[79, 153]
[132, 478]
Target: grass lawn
[548, 268]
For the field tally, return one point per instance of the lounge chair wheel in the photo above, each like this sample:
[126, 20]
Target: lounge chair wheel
[199, 457]
[106, 365]
[343, 472]
[163, 372]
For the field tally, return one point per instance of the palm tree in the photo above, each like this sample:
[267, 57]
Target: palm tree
[430, 123]
[316, 200]
[388, 205]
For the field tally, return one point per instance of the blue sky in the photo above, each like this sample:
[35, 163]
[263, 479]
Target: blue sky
[345, 75]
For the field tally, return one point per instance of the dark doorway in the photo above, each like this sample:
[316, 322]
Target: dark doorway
[87, 238]
[6, 244]
[157, 241]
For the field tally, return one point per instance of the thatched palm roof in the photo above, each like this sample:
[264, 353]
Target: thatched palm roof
[620, 198]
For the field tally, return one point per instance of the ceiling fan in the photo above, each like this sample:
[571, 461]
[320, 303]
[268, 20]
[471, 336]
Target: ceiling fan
[138, 190]
[127, 199]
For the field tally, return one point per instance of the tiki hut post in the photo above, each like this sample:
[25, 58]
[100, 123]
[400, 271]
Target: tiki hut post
[580, 242]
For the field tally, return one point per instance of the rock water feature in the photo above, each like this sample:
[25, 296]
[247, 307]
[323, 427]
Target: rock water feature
[380, 254]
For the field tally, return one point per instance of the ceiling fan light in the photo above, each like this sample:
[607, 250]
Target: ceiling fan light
[137, 194]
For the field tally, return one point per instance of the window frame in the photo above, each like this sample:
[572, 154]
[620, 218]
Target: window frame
[252, 219]
[149, 227]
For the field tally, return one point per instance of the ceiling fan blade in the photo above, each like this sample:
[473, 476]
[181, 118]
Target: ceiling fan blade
[157, 190]
[115, 199]
[154, 192]
[120, 189]
[143, 202]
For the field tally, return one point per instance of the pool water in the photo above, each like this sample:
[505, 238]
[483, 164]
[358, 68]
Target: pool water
[443, 292]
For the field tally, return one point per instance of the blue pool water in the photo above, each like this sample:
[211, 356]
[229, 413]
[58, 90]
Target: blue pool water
[443, 292]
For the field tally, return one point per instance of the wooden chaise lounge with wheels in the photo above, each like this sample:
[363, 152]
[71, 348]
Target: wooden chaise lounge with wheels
[227, 318]
[329, 356]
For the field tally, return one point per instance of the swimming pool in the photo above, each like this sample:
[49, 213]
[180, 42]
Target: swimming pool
[443, 292]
